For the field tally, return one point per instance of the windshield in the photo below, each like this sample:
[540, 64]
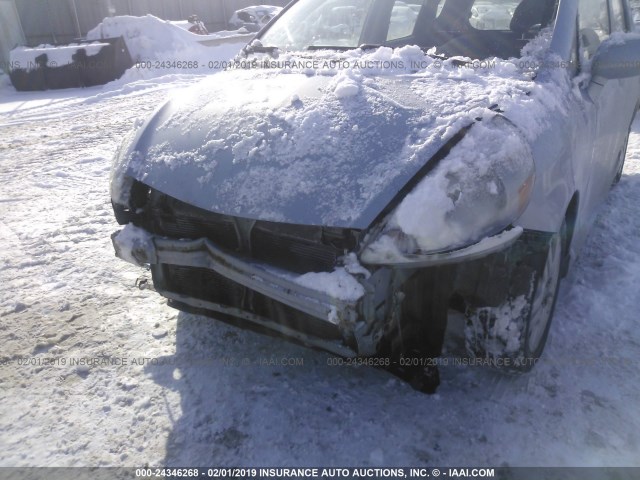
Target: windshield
[473, 28]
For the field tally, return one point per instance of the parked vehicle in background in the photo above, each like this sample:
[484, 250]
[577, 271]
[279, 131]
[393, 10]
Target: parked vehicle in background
[253, 18]
[353, 209]
[197, 26]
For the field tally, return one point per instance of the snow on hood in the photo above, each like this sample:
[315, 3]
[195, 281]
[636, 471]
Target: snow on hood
[319, 146]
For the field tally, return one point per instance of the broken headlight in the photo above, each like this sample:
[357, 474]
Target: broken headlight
[478, 190]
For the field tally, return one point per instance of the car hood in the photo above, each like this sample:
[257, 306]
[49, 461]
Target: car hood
[304, 149]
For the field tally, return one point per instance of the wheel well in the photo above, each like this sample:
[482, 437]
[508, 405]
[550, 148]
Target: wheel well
[570, 221]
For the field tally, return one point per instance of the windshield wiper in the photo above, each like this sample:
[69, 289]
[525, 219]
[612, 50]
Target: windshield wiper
[329, 47]
[256, 47]
[364, 46]
[259, 49]
[370, 46]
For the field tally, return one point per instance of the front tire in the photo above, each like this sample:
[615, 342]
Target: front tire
[512, 336]
[544, 301]
[623, 155]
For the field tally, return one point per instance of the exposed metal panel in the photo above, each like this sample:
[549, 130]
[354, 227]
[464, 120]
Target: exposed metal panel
[33, 23]
[144, 7]
[172, 11]
[10, 32]
[91, 13]
[74, 9]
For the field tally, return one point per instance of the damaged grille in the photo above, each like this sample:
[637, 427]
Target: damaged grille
[208, 285]
[297, 248]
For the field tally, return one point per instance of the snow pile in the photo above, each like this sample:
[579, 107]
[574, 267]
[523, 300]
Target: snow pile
[161, 47]
[341, 284]
[337, 284]
[151, 38]
[345, 84]
[183, 24]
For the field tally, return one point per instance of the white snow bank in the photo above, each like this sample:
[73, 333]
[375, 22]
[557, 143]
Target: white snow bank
[161, 47]
[183, 24]
[151, 38]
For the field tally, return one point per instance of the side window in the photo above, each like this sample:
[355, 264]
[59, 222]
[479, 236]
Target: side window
[618, 20]
[403, 19]
[594, 26]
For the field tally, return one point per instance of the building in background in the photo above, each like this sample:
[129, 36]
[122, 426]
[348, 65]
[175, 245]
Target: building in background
[62, 21]
[635, 7]
[11, 33]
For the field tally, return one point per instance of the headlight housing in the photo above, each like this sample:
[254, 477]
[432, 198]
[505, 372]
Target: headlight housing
[120, 183]
[480, 188]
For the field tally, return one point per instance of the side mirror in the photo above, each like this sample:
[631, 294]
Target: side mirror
[616, 60]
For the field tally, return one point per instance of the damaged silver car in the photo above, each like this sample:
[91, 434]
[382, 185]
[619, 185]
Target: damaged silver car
[369, 166]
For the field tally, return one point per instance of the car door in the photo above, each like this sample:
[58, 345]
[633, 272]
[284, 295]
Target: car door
[630, 86]
[613, 110]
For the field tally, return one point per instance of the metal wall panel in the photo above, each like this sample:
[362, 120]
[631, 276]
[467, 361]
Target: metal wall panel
[10, 32]
[90, 13]
[53, 21]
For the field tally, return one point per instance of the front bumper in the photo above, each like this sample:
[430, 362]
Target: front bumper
[140, 247]
[360, 321]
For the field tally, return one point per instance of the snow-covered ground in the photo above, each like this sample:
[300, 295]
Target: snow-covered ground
[178, 389]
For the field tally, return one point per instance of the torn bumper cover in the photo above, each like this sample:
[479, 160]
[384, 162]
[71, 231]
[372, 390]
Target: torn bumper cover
[137, 246]
[360, 321]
